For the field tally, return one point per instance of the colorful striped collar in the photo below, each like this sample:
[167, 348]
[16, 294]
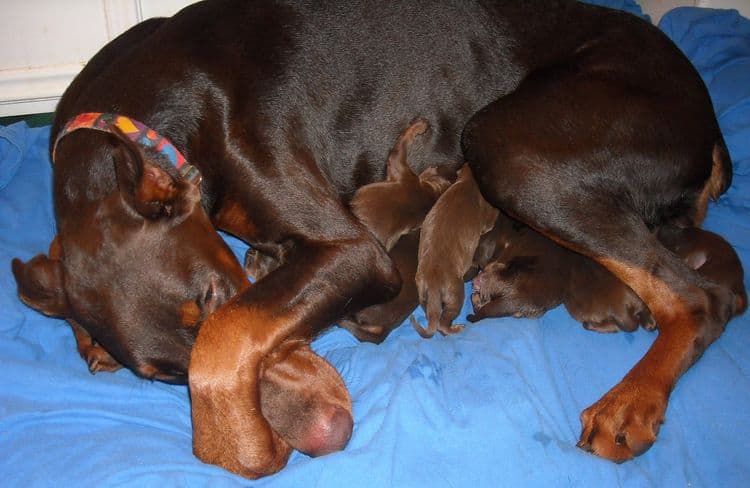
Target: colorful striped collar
[136, 132]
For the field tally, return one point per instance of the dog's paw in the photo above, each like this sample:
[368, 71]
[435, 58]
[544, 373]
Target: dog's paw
[450, 329]
[603, 327]
[97, 358]
[624, 423]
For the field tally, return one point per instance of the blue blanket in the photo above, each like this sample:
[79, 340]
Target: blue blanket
[495, 405]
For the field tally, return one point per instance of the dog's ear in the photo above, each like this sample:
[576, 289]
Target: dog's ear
[40, 283]
[150, 190]
[696, 259]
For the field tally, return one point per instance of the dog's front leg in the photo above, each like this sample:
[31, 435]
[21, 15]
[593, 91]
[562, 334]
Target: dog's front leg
[319, 282]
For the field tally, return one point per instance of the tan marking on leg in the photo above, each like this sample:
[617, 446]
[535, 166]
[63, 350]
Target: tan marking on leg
[232, 217]
[712, 189]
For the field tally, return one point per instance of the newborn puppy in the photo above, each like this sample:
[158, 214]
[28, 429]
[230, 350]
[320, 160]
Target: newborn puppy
[261, 259]
[710, 255]
[389, 209]
[374, 323]
[600, 301]
[398, 205]
[393, 210]
[449, 239]
[530, 274]
[527, 275]
[487, 246]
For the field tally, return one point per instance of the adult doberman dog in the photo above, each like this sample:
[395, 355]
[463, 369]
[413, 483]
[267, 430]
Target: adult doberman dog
[585, 123]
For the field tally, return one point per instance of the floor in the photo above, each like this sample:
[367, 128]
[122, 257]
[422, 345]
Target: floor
[33, 120]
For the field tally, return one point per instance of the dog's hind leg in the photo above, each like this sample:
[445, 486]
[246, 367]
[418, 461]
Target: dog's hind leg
[592, 161]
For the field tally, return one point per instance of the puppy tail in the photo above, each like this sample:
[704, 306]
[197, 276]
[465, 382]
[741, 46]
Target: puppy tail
[425, 333]
[397, 168]
[433, 307]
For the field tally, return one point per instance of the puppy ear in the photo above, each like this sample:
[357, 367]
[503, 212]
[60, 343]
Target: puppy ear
[696, 259]
[40, 284]
[150, 190]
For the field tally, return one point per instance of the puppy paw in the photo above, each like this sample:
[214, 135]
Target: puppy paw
[450, 329]
[603, 327]
[97, 358]
[625, 422]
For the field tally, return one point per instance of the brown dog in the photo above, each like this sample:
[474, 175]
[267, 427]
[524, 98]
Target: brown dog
[374, 323]
[393, 210]
[587, 124]
[398, 205]
[529, 274]
[450, 237]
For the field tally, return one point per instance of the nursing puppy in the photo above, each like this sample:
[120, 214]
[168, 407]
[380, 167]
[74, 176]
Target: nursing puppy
[450, 237]
[393, 210]
[398, 205]
[374, 323]
[529, 274]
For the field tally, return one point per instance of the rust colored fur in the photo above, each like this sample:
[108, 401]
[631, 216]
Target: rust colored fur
[450, 237]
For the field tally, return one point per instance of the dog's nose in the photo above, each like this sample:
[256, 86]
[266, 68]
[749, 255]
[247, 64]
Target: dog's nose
[330, 433]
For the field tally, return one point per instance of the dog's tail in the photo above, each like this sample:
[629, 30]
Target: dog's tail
[721, 171]
[433, 307]
[718, 182]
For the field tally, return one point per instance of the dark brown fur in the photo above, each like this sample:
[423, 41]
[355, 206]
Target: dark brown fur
[584, 123]
[529, 274]
[393, 210]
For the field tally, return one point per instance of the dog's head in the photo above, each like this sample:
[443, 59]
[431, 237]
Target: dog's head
[138, 263]
[512, 288]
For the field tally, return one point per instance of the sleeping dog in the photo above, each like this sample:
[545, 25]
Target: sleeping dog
[529, 274]
[261, 118]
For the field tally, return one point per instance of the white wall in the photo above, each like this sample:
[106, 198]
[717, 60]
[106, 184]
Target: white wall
[46, 42]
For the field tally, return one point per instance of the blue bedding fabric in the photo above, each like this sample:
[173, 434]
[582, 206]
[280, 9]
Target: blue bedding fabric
[496, 405]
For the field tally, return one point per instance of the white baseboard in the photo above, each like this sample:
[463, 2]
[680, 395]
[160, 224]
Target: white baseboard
[34, 90]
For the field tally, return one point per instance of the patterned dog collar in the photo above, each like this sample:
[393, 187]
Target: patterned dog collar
[136, 132]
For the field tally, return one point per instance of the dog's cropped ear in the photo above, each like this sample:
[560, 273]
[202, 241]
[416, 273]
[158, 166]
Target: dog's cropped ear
[40, 284]
[150, 190]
